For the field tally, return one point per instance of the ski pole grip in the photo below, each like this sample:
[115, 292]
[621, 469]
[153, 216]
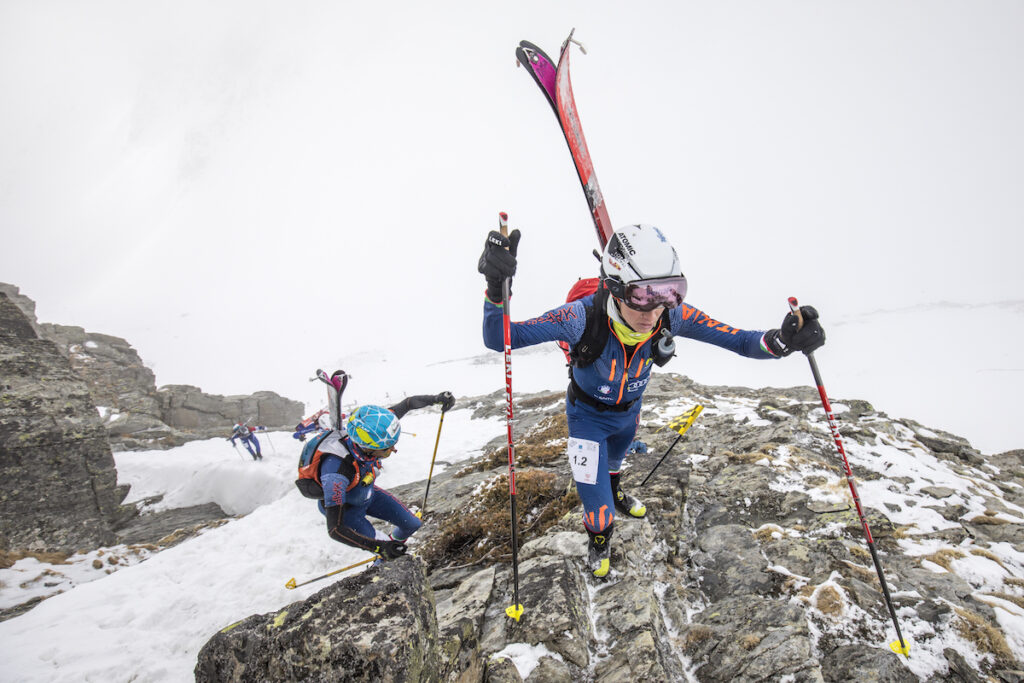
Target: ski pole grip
[794, 306]
[503, 223]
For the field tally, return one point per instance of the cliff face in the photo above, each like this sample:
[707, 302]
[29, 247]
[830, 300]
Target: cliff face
[135, 414]
[60, 487]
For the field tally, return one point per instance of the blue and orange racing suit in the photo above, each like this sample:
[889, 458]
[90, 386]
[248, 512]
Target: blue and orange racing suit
[351, 494]
[604, 398]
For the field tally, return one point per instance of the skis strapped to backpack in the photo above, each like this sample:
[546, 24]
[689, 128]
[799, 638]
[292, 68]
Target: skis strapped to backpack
[556, 85]
[554, 82]
[336, 384]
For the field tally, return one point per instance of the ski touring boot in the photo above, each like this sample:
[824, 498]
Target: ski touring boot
[625, 503]
[629, 505]
[599, 556]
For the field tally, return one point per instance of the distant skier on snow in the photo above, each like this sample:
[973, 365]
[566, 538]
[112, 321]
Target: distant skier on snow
[341, 467]
[248, 437]
[615, 335]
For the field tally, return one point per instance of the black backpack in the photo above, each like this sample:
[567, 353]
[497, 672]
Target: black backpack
[595, 333]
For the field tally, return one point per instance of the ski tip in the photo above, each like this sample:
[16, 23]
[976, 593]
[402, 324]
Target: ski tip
[291, 583]
[900, 647]
[514, 611]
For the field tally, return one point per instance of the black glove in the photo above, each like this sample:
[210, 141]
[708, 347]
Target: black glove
[389, 550]
[807, 338]
[497, 263]
[446, 400]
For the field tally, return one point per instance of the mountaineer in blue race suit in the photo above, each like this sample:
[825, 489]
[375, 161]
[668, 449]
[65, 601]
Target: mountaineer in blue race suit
[248, 437]
[348, 467]
[615, 336]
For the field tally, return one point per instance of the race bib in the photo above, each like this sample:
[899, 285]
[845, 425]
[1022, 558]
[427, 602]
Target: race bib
[583, 458]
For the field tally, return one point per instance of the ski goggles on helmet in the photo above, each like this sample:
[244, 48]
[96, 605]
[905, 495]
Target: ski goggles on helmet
[647, 295]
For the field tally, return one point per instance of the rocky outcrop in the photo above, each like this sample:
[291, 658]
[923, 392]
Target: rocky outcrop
[188, 408]
[750, 565]
[137, 415]
[336, 635]
[59, 483]
[123, 388]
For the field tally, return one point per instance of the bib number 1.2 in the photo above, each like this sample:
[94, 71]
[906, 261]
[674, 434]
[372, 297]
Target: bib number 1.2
[583, 458]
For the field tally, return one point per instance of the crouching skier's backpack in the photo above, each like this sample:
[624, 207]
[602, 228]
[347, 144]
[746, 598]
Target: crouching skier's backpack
[595, 333]
[308, 482]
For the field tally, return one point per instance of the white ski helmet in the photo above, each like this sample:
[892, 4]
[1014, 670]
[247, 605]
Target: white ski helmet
[640, 268]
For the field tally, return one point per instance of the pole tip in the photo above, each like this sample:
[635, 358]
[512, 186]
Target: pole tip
[291, 583]
[900, 647]
[514, 611]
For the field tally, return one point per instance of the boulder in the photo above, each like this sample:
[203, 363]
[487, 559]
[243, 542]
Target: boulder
[379, 625]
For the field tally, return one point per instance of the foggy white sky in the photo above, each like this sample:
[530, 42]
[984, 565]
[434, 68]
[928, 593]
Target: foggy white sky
[192, 175]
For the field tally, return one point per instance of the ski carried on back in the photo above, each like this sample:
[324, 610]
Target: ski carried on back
[554, 82]
[336, 384]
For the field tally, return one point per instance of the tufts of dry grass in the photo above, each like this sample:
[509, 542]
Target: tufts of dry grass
[989, 555]
[860, 552]
[1015, 599]
[829, 601]
[483, 529]
[749, 641]
[545, 445]
[1014, 581]
[807, 591]
[983, 635]
[748, 458]
[9, 557]
[987, 519]
[764, 534]
[944, 557]
[868, 576]
[898, 532]
[695, 636]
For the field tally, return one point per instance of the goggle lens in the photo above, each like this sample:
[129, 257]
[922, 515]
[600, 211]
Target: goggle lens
[647, 295]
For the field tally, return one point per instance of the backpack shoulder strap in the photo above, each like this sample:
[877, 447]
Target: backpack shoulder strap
[595, 332]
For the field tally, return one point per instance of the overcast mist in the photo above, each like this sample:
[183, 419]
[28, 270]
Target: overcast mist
[246, 191]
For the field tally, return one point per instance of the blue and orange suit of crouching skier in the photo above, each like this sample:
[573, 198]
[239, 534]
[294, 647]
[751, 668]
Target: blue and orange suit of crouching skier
[350, 496]
[604, 398]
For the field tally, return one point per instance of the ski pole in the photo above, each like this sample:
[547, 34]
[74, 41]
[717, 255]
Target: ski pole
[687, 419]
[423, 508]
[899, 646]
[270, 441]
[235, 446]
[291, 582]
[515, 610]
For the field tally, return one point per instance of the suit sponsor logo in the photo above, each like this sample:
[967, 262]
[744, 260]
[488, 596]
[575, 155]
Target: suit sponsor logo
[638, 384]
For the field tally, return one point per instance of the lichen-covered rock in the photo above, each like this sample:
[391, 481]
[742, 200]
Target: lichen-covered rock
[750, 565]
[59, 483]
[379, 625]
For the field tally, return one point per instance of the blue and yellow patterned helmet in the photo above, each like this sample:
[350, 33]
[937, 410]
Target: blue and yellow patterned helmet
[373, 428]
